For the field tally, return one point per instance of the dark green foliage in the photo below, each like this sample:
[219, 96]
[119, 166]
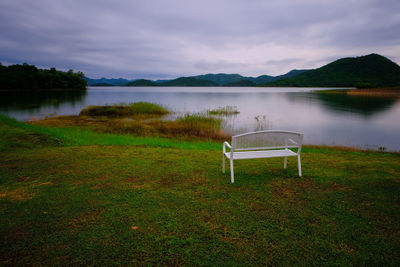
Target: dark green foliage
[27, 77]
[141, 82]
[115, 82]
[367, 71]
[188, 81]
[290, 74]
[102, 84]
[220, 78]
[239, 80]
[241, 83]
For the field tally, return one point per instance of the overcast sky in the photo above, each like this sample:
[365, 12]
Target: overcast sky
[170, 38]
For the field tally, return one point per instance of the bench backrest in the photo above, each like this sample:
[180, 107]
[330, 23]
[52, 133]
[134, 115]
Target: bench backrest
[270, 139]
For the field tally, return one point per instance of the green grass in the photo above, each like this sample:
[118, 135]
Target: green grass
[18, 134]
[69, 196]
[120, 110]
[224, 111]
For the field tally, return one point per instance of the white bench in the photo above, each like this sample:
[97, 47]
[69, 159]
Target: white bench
[263, 144]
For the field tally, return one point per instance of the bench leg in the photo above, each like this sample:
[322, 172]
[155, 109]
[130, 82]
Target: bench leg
[223, 163]
[299, 164]
[285, 163]
[232, 174]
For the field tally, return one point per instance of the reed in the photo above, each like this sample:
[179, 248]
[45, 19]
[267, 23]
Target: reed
[224, 111]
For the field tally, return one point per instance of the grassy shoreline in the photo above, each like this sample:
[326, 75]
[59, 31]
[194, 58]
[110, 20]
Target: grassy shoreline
[373, 92]
[71, 196]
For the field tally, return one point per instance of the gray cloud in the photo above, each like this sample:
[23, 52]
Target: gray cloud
[164, 39]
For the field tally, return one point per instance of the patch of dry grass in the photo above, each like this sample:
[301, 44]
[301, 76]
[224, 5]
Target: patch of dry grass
[187, 127]
[123, 110]
[376, 92]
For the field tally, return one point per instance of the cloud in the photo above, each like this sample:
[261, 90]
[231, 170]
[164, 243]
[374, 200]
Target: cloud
[165, 39]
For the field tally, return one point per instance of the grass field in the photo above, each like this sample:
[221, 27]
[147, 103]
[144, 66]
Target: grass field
[71, 196]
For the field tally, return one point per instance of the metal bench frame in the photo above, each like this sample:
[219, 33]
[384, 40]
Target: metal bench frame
[263, 144]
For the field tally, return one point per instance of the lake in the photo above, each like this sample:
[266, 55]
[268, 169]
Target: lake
[329, 119]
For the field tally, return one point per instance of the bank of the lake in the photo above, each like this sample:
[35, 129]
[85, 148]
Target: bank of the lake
[70, 196]
[325, 119]
[391, 92]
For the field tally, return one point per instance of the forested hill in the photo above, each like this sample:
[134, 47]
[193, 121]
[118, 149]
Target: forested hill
[364, 72]
[188, 81]
[220, 79]
[27, 77]
[239, 80]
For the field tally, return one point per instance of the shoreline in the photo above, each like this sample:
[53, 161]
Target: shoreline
[389, 92]
[380, 92]
[43, 90]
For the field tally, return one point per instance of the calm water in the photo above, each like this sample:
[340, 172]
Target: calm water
[364, 122]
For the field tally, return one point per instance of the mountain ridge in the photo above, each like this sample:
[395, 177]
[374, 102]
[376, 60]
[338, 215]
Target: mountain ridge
[367, 71]
[218, 79]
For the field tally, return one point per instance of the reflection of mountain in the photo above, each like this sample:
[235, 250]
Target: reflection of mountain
[36, 100]
[343, 103]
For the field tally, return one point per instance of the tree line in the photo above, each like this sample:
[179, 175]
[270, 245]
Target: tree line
[27, 77]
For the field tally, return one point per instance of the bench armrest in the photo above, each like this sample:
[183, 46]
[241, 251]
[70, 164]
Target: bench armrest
[226, 144]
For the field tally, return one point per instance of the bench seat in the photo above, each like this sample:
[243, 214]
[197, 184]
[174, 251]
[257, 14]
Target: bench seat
[261, 154]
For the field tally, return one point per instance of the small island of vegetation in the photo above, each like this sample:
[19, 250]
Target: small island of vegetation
[27, 77]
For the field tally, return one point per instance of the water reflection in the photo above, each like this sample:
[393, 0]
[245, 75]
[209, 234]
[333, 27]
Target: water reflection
[32, 100]
[23, 105]
[343, 103]
[261, 122]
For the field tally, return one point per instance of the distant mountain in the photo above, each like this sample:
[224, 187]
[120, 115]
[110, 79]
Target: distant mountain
[102, 84]
[290, 74]
[239, 80]
[241, 83]
[366, 71]
[106, 82]
[141, 82]
[220, 78]
[261, 79]
[188, 81]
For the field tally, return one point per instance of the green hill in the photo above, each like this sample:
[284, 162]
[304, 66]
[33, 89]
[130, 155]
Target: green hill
[106, 82]
[220, 78]
[366, 71]
[102, 84]
[239, 80]
[246, 83]
[188, 81]
[141, 82]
